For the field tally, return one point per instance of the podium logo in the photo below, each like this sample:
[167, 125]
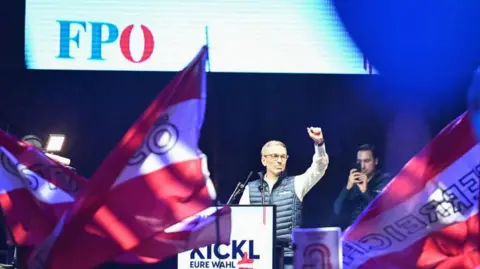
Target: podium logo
[317, 256]
[239, 254]
[245, 262]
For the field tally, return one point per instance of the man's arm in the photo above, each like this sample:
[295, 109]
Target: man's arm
[339, 202]
[345, 197]
[305, 182]
[245, 199]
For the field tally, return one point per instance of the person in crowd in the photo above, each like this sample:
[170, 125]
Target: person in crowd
[364, 183]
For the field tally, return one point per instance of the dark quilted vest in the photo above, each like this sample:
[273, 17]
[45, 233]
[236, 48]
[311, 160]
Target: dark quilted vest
[289, 207]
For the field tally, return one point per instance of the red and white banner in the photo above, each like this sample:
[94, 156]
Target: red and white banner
[153, 179]
[427, 217]
[34, 190]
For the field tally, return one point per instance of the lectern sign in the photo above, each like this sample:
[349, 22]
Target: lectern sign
[317, 248]
[251, 245]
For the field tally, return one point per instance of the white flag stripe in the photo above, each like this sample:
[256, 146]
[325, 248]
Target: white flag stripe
[206, 174]
[464, 180]
[174, 141]
[41, 188]
[185, 224]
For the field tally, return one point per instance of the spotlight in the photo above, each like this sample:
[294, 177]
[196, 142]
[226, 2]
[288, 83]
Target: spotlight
[55, 142]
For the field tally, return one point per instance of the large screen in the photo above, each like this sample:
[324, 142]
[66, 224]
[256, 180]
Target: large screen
[274, 36]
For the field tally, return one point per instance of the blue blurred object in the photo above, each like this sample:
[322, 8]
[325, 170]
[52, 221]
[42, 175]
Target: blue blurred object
[416, 44]
[474, 102]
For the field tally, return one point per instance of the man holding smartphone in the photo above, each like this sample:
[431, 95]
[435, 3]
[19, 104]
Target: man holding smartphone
[365, 182]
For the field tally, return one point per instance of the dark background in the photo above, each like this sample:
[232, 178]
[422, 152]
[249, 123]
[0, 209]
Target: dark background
[95, 108]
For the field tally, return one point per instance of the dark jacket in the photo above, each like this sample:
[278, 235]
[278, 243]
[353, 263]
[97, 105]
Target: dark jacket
[289, 207]
[350, 203]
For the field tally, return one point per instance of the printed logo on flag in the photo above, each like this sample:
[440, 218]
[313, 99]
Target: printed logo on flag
[20, 172]
[160, 140]
[34, 175]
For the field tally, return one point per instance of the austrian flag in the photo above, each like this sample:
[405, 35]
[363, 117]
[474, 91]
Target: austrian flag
[140, 204]
[427, 217]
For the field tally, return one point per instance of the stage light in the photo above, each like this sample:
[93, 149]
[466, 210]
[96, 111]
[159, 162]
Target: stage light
[33, 140]
[55, 143]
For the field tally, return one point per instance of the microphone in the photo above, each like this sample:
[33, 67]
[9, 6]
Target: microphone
[239, 188]
[261, 188]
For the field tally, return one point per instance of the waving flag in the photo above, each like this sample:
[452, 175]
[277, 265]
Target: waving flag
[194, 232]
[34, 190]
[153, 179]
[427, 217]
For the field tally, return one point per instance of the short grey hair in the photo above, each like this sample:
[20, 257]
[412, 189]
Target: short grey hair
[271, 143]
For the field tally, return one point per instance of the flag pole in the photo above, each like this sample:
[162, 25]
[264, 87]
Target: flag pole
[209, 69]
[214, 177]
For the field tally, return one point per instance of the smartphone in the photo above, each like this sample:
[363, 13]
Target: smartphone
[358, 166]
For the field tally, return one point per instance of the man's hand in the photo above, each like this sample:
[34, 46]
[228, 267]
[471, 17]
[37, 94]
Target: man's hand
[358, 178]
[352, 178]
[362, 184]
[315, 134]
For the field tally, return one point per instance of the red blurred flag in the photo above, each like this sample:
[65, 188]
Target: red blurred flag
[35, 190]
[427, 217]
[154, 178]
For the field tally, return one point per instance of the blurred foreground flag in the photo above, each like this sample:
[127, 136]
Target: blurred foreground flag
[427, 217]
[154, 179]
[35, 191]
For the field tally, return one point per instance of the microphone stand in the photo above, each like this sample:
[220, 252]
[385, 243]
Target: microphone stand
[262, 187]
[239, 189]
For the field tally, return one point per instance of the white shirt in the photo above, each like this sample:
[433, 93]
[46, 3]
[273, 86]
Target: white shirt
[302, 183]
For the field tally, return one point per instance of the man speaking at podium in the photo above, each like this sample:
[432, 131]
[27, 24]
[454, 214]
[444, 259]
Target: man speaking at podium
[286, 192]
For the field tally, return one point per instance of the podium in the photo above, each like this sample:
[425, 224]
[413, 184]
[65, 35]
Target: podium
[252, 242]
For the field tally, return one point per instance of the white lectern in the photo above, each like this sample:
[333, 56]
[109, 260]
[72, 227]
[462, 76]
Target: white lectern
[252, 243]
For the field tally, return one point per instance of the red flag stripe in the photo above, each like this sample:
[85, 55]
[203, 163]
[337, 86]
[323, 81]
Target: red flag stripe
[20, 223]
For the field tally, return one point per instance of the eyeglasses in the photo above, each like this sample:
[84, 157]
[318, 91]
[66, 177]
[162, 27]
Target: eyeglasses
[276, 156]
